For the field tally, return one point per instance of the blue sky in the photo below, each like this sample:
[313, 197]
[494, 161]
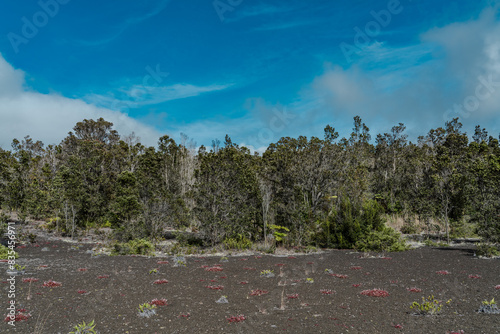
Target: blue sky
[256, 70]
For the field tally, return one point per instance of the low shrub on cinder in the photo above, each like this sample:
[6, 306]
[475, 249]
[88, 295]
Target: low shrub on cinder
[133, 247]
[487, 250]
[386, 240]
[4, 253]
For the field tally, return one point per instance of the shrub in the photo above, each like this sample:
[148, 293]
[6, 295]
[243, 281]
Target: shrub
[487, 250]
[386, 240]
[409, 227]
[429, 306]
[279, 232]
[4, 253]
[133, 247]
[239, 242]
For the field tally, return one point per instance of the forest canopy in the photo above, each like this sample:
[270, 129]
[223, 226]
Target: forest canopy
[327, 192]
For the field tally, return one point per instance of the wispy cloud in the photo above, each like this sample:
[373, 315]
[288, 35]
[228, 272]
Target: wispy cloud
[139, 95]
[122, 27]
[284, 25]
[260, 10]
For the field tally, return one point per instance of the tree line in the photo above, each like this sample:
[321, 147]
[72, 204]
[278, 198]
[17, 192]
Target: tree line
[327, 192]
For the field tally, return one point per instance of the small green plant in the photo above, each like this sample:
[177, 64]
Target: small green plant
[153, 271]
[489, 307]
[492, 302]
[279, 232]
[429, 306]
[146, 307]
[18, 267]
[180, 261]
[5, 252]
[146, 310]
[267, 273]
[84, 328]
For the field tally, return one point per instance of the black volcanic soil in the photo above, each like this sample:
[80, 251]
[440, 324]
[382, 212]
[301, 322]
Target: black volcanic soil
[112, 301]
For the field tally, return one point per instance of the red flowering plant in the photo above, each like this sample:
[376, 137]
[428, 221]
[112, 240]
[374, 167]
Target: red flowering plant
[214, 268]
[21, 315]
[236, 318]
[375, 293]
[51, 284]
[443, 272]
[215, 287]
[159, 302]
[258, 292]
[30, 279]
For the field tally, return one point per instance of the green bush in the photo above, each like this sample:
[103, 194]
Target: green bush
[3, 224]
[4, 253]
[240, 242]
[487, 250]
[133, 247]
[386, 240]
[409, 227]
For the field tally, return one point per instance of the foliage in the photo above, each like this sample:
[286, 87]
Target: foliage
[146, 310]
[279, 232]
[267, 273]
[133, 247]
[84, 328]
[489, 307]
[324, 192]
[239, 242]
[487, 250]
[429, 306]
[386, 240]
[4, 253]
[146, 306]
[179, 261]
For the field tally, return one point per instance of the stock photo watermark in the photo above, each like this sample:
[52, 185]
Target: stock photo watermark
[223, 6]
[31, 27]
[372, 29]
[11, 258]
[484, 90]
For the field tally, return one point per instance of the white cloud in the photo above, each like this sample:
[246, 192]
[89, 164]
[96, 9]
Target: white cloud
[418, 84]
[139, 95]
[49, 117]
